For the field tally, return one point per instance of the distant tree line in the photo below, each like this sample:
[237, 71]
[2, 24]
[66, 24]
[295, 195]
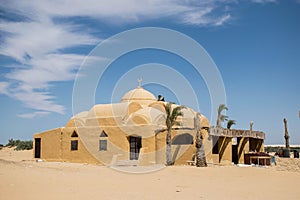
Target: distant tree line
[276, 149]
[19, 144]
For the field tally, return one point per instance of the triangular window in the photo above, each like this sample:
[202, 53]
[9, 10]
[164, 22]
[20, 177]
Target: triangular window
[74, 134]
[103, 134]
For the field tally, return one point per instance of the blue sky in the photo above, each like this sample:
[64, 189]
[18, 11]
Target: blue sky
[255, 45]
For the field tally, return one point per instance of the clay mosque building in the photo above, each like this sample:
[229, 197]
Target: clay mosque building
[133, 131]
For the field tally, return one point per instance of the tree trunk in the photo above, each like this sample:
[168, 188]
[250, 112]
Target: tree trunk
[200, 153]
[169, 148]
[286, 134]
[219, 121]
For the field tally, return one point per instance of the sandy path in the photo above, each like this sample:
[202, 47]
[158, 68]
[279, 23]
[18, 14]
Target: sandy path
[31, 180]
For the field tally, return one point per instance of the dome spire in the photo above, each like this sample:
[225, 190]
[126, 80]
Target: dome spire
[140, 83]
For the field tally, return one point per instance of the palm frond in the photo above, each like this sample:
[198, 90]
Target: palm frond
[172, 114]
[230, 123]
[223, 118]
[177, 123]
[222, 107]
[168, 108]
[176, 112]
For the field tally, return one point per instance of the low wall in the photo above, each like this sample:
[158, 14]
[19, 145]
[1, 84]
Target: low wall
[288, 164]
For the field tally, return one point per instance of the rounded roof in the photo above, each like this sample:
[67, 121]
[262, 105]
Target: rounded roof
[204, 122]
[138, 94]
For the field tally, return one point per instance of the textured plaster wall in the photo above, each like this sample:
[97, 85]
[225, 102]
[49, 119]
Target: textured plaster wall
[243, 147]
[225, 150]
[50, 144]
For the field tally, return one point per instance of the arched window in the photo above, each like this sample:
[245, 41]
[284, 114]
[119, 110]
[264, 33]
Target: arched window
[103, 141]
[184, 138]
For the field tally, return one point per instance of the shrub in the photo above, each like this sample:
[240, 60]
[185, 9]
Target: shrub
[10, 143]
[24, 145]
[13, 143]
[20, 145]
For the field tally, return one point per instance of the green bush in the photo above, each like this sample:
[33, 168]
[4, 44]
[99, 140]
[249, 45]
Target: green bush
[20, 145]
[13, 143]
[24, 145]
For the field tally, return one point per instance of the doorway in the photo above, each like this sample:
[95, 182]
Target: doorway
[135, 144]
[37, 147]
[235, 157]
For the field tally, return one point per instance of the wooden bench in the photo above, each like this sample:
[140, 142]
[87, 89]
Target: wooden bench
[264, 158]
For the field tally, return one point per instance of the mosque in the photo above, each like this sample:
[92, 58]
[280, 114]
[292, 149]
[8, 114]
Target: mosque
[133, 132]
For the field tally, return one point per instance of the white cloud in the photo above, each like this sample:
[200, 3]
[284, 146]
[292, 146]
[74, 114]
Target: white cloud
[47, 68]
[36, 46]
[38, 38]
[38, 41]
[33, 99]
[223, 20]
[125, 10]
[33, 115]
[38, 101]
[30, 85]
[197, 18]
[4, 88]
[202, 18]
[116, 10]
[264, 1]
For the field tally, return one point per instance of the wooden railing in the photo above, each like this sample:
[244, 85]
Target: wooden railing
[236, 133]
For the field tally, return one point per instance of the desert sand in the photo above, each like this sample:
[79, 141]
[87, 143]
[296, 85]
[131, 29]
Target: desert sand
[24, 178]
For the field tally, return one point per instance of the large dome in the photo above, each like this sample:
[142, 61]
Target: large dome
[139, 95]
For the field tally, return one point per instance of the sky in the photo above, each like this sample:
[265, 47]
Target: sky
[254, 44]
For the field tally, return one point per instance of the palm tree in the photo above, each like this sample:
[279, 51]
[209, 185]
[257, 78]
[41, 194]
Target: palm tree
[171, 116]
[221, 118]
[200, 153]
[286, 134]
[230, 123]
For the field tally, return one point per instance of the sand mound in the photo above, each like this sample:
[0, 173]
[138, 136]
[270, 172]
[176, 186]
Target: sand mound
[23, 178]
[11, 154]
[288, 164]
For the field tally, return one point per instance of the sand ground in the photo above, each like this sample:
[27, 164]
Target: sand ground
[23, 178]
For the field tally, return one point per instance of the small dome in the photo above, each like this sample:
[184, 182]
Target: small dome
[139, 95]
[204, 122]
